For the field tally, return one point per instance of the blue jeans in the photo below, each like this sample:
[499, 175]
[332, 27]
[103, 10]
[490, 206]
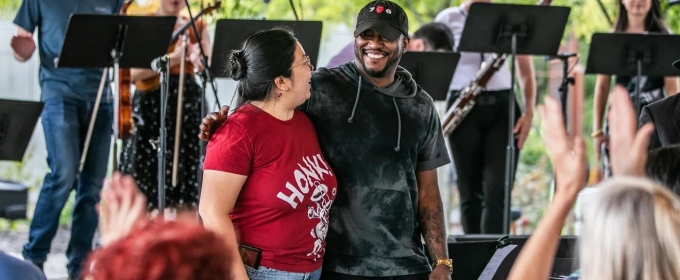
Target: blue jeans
[65, 123]
[265, 273]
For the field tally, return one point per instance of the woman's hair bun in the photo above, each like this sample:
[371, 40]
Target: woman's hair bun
[237, 65]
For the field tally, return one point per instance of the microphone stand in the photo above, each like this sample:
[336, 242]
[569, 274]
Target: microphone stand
[207, 77]
[564, 87]
[161, 66]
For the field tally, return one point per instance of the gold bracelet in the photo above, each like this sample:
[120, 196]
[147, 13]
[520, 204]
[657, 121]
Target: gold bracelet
[596, 133]
[447, 262]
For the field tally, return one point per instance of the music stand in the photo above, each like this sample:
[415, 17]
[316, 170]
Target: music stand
[473, 256]
[102, 41]
[231, 33]
[633, 55]
[432, 71]
[17, 123]
[513, 29]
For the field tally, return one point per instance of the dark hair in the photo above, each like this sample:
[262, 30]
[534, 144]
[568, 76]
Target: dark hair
[436, 35]
[264, 56]
[653, 21]
[663, 165]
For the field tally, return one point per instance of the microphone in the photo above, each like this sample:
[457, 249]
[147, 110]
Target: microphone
[562, 56]
[159, 63]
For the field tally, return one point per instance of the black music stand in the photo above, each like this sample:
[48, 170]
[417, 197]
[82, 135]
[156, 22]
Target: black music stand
[231, 33]
[513, 29]
[471, 257]
[102, 41]
[432, 71]
[633, 55]
[17, 123]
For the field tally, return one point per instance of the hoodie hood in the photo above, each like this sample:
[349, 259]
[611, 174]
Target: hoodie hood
[403, 87]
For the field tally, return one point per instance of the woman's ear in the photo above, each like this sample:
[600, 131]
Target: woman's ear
[280, 83]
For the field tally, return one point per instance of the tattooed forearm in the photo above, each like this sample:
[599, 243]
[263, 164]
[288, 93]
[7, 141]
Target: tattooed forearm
[431, 216]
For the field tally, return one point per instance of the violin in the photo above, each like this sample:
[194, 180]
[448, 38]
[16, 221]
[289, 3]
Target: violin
[124, 96]
[125, 121]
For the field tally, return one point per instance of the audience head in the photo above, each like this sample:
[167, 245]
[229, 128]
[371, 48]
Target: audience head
[631, 230]
[663, 165]
[159, 250]
[649, 9]
[434, 36]
[381, 37]
[271, 66]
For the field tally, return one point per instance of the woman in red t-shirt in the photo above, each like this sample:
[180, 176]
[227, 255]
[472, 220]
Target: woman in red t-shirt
[266, 187]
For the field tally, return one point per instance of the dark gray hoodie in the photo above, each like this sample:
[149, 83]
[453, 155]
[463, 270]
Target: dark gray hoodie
[375, 139]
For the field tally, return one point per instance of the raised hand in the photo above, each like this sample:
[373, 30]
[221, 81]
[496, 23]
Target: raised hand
[211, 122]
[627, 144]
[567, 156]
[122, 207]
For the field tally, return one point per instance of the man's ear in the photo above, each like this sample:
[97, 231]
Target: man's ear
[405, 42]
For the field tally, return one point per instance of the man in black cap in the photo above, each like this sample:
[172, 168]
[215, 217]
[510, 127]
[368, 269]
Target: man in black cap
[382, 136]
[665, 115]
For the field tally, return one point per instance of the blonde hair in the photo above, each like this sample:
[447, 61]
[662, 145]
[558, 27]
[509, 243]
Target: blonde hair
[631, 231]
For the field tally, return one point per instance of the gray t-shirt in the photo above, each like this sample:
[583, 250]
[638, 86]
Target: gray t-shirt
[376, 140]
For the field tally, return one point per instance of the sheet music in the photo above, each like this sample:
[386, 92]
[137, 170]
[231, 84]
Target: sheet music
[495, 262]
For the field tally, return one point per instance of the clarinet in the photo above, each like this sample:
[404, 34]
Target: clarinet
[462, 106]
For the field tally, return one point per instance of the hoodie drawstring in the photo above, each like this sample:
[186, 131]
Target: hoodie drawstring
[355, 101]
[397, 148]
[394, 100]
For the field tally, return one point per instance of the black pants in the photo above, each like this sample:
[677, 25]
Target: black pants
[478, 148]
[327, 275]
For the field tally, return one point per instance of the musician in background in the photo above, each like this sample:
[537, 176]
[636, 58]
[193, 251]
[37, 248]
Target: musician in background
[664, 114]
[432, 37]
[478, 145]
[639, 16]
[69, 95]
[140, 155]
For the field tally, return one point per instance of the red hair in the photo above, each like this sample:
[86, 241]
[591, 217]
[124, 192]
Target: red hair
[172, 250]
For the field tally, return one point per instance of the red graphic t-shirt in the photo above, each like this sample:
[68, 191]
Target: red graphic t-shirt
[283, 206]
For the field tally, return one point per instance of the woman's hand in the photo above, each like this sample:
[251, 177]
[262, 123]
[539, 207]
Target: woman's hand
[195, 57]
[567, 156]
[628, 145]
[122, 207]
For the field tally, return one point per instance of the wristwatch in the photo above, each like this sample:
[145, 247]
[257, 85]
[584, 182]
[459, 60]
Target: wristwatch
[446, 262]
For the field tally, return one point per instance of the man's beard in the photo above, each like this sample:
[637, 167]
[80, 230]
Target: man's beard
[392, 59]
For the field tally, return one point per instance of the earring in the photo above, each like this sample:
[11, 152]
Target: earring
[279, 95]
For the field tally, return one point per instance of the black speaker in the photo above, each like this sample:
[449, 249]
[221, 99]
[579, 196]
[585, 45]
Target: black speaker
[470, 255]
[13, 200]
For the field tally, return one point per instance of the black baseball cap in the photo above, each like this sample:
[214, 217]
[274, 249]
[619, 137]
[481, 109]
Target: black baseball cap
[676, 64]
[385, 17]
